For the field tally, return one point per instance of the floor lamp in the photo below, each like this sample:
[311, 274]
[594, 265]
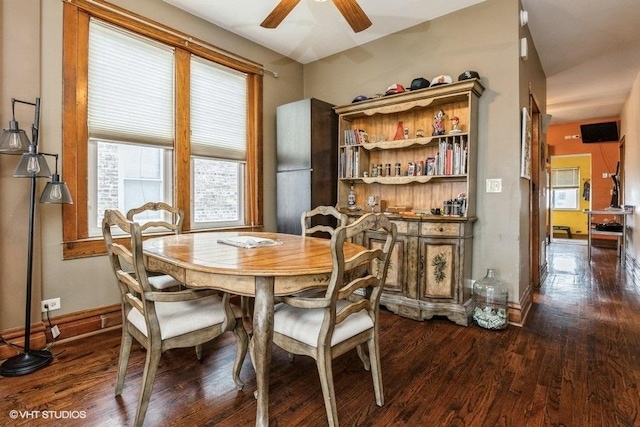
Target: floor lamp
[32, 165]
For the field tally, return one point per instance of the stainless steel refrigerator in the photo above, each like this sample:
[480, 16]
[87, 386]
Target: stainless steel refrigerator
[307, 165]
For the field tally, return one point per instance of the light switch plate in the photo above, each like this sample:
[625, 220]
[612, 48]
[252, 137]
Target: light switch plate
[494, 185]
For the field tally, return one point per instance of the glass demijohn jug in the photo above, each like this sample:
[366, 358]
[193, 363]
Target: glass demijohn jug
[491, 302]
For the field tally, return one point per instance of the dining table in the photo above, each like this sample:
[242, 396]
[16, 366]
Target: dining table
[262, 265]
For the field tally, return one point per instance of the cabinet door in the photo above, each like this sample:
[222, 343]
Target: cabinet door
[437, 271]
[396, 274]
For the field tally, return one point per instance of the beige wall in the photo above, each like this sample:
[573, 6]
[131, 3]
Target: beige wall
[532, 84]
[484, 38]
[630, 130]
[20, 79]
[87, 283]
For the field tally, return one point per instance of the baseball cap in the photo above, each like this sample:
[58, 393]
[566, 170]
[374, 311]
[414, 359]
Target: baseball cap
[419, 83]
[394, 89]
[440, 80]
[360, 98]
[468, 75]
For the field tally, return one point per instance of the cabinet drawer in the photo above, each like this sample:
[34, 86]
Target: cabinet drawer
[439, 229]
[402, 227]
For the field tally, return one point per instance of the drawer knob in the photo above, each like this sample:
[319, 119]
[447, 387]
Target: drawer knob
[441, 229]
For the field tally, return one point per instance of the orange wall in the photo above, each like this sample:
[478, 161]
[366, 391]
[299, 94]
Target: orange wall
[604, 157]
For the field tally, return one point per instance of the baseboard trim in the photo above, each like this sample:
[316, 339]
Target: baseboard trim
[16, 337]
[71, 326]
[518, 312]
[632, 267]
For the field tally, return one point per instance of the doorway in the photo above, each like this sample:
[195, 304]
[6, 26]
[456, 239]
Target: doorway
[570, 193]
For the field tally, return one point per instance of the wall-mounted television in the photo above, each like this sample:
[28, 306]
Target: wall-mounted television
[600, 132]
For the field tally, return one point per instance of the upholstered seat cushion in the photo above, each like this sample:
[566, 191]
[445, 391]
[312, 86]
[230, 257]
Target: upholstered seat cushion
[303, 324]
[163, 281]
[177, 318]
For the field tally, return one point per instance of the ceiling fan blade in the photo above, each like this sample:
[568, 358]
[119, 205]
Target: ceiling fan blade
[354, 14]
[279, 13]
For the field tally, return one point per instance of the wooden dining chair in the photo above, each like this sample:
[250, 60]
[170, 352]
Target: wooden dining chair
[320, 220]
[159, 217]
[161, 320]
[346, 315]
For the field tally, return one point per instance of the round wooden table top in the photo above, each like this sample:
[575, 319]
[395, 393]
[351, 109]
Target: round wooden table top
[296, 255]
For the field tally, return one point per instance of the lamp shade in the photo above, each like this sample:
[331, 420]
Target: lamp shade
[56, 192]
[14, 140]
[32, 165]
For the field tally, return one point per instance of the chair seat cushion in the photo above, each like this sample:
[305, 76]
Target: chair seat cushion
[163, 281]
[303, 324]
[178, 318]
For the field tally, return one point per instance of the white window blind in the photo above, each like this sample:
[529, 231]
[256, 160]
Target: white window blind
[565, 177]
[131, 87]
[218, 111]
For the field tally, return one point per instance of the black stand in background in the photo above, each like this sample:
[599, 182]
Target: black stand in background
[615, 196]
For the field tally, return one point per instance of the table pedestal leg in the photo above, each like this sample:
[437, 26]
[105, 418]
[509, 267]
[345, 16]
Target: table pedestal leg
[262, 342]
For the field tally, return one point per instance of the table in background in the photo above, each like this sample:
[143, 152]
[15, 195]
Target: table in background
[621, 217]
[200, 261]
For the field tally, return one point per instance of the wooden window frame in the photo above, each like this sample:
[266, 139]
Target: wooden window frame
[573, 187]
[76, 240]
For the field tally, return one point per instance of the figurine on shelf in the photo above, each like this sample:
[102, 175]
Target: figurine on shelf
[455, 125]
[372, 202]
[399, 132]
[438, 125]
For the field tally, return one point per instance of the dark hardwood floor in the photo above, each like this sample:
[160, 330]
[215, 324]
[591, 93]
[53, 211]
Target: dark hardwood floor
[575, 363]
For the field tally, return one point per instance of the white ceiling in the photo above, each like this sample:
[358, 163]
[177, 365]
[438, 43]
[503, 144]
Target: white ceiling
[589, 49]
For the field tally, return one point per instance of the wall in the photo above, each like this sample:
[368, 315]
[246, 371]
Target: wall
[20, 79]
[484, 38]
[576, 220]
[532, 90]
[87, 283]
[630, 130]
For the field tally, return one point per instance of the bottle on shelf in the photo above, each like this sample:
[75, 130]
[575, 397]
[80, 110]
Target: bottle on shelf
[351, 198]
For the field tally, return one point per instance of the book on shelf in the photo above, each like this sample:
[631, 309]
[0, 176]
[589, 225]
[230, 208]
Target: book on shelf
[350, 162]
[355, 137]
[451, 157]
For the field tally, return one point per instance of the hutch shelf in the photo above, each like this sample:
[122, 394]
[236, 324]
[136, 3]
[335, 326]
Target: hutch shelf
[413, 156]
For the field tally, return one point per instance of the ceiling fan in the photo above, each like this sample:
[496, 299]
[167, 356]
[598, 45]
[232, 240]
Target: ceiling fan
[350, 9]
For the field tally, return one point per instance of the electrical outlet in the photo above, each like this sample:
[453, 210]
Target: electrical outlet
[494, 185]
[51, 304]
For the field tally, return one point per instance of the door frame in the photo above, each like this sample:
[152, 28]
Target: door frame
[537, 196]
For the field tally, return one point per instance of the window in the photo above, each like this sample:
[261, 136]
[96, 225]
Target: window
[130, 122]
[565, 188]
[217, 204]
[124, 176]
[150, 117]
[218, 144]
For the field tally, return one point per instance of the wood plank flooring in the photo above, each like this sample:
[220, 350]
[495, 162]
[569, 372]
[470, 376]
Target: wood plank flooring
[575, 363]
